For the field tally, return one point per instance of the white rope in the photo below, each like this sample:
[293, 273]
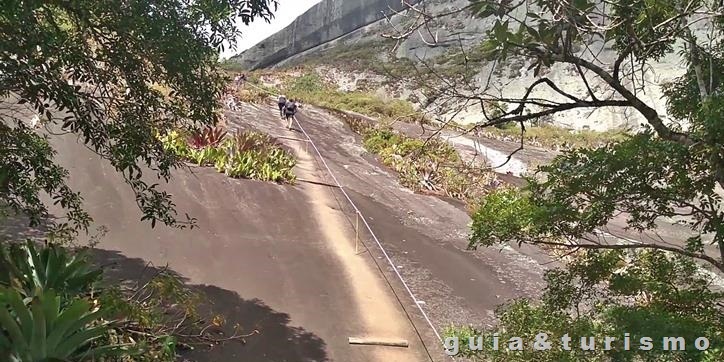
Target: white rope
[374, 236]
[384, 252]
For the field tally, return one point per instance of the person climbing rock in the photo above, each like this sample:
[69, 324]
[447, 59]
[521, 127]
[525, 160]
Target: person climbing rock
[290, 109]
[282, 101]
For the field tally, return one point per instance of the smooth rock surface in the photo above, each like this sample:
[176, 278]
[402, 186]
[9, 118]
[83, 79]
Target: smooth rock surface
[324, 22]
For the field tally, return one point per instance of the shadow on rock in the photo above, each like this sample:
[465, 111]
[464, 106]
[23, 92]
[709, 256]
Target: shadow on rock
[17, 228]
[277, 341]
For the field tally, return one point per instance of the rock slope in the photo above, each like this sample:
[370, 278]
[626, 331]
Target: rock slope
[344, 24]
[324, 22]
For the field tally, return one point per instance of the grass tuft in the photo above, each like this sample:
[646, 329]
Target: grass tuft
[425, 166]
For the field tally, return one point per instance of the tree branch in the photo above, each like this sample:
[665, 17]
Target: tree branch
[649, 113]
[556, 109]
[700, 256]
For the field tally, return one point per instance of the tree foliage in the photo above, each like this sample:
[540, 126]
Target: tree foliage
[643, 179]
[112, 73]
[671, 172]
[611, 293]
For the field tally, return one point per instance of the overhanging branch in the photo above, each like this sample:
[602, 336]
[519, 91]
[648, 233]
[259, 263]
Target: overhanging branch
[700, 256]
[553, 110]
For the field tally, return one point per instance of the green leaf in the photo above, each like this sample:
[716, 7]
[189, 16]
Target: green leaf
[74, 317]
[53, 262]
[532, 32]
[38, 346]
[22, 313]
[69, 346]
[9, 325]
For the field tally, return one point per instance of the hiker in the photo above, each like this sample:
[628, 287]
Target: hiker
[239, 80]
[289, 110]
[282, 102]
[231, 102]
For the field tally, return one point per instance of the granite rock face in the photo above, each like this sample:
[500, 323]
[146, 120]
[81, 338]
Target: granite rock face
[324, 22]
[338, 24]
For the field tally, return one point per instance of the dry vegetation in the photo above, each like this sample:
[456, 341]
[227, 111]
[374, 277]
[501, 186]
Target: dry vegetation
[546, 136]
[426, 166]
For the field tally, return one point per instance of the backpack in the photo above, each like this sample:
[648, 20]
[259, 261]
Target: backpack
[291, 107]
[282, 100]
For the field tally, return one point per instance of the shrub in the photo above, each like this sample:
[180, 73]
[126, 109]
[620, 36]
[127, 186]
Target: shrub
[357, 125]
[430, 166]
[249, 154]
[308, 87]
[50, 327]
[231, 66]
[553, 136]
[252, 95]
[312, 89]
[258, 156]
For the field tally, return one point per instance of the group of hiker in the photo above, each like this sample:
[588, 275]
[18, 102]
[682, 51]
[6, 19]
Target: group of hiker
[287, 109]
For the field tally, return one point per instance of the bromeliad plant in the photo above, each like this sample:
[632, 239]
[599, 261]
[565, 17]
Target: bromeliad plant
[206, 156]
[248, 154]
[256, 155]
[207, 137]
[51, 328]
[204, 146]
[46, 311]
[175, 143]
[30, 270]
[53, 307]
[201, 146]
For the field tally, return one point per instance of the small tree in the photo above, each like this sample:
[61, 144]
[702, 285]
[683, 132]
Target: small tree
[114, 73]
[667, 171]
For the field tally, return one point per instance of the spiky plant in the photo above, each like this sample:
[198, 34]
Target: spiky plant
[28, 269]
[50, 329]
[207, 137]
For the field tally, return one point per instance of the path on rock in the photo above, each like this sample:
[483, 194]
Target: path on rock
[425, 236]
[380, 313]
[276, 258]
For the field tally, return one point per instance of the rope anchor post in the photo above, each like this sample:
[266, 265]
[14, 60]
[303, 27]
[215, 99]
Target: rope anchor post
[356, 234]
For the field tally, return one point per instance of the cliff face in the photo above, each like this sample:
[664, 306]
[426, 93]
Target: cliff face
[326, 21]
[348, 25]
